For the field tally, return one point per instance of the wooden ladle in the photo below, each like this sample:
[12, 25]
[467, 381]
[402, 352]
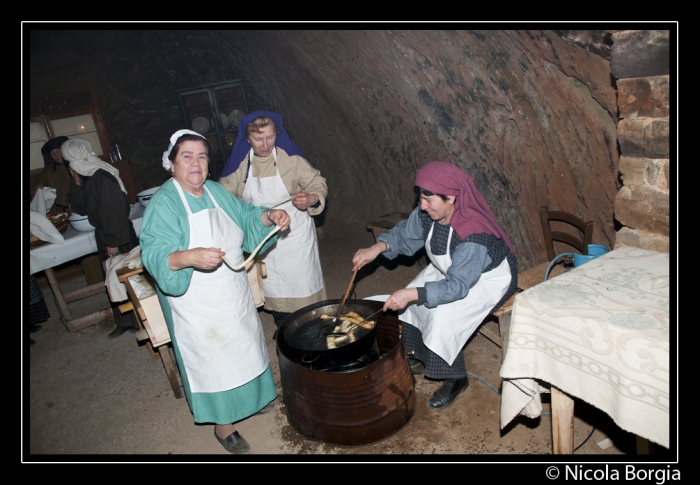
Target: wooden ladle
[345, 297]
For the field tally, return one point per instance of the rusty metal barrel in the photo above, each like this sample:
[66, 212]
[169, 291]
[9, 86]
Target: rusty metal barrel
[350, 407]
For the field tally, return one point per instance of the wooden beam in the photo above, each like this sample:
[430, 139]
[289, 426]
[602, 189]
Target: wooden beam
[81, 293]
[88, 320]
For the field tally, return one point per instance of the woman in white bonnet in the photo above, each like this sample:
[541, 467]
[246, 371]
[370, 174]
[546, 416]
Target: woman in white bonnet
[192, 230]
[97, 191]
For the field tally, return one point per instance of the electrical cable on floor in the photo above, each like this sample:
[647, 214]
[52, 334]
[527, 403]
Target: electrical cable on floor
[542, 413]
[584, 441]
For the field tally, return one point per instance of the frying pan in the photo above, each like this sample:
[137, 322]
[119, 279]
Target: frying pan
[304, 333]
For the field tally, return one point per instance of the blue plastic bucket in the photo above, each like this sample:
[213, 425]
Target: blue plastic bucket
[596, 249]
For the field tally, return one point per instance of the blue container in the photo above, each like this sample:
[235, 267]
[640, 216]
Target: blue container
[596, 249]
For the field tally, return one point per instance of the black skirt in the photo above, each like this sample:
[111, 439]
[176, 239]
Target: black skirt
[38, 311]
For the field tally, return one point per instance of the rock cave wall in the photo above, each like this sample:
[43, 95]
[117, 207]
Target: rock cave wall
[531, 115]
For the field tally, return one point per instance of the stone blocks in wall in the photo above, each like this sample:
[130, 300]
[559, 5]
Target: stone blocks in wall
[641, 239]
[644, 137]
[643, 207]
[640, 53]
[639, 171]
[643, 97]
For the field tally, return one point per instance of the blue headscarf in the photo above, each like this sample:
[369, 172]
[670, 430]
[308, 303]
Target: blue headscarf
[241, 148]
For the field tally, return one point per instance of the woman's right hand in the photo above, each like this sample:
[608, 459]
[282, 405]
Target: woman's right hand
[200, 258]
[367, 255]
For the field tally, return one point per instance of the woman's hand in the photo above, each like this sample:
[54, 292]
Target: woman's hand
[367, 255]
[303, 201]
[399, 299]
[112, 251]
[200, 258]
[278, 217]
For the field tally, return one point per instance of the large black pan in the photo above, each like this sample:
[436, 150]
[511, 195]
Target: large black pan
[304, 333]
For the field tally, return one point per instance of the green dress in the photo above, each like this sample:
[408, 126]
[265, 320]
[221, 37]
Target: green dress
[165, 229]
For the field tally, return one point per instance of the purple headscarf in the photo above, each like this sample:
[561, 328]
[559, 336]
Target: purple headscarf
[472, 214]
[241, 148]
[50, 145]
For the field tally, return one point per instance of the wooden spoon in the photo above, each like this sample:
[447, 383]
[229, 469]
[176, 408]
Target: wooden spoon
[345, 297]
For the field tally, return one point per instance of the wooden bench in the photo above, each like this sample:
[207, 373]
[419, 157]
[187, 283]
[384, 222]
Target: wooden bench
[385, 222]
[526, 279]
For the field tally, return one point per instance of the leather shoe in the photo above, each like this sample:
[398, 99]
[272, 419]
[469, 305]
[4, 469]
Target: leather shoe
[446, 395]
[119, 331]
[35, 328]
[235, 443]
[31, 342]
[417, 367]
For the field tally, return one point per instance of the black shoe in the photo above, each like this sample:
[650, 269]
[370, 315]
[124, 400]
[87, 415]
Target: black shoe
[235, 443]
[446, 395]
[35, 328]
[417, 367]
[31, 342]
[119, 331]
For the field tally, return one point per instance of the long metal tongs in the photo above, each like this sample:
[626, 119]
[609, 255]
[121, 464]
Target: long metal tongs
[341, 334]
[255, 251]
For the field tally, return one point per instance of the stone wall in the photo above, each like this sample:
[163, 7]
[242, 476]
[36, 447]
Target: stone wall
[640, 63]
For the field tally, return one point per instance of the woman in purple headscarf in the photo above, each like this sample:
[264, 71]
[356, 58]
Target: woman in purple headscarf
[472, 273]
[264, 169]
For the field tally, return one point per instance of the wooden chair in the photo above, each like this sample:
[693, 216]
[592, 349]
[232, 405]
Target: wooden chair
[535, 275]
[580, 243]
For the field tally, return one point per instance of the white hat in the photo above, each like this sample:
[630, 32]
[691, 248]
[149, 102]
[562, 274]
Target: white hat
[173, 140]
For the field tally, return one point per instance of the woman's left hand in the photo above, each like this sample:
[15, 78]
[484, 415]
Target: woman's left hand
[303, 201]
[280, 218]
[399, 299]
[112, 251]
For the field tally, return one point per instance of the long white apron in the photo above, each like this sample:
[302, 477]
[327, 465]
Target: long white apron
[216, 324]
[447, 327]
[293, 264]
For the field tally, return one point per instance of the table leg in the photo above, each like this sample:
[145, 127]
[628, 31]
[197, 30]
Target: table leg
[58, 294]
[170, 370]
[562, 423]
[644, 446]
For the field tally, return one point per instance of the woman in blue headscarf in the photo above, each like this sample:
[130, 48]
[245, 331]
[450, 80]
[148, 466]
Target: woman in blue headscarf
[264, 168]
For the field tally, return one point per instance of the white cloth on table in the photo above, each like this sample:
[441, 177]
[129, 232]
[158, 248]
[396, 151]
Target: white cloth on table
[115, 288]
[599, 332]
[39, 224]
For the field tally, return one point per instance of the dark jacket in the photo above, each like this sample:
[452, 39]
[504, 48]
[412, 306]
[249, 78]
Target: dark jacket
[107, 207]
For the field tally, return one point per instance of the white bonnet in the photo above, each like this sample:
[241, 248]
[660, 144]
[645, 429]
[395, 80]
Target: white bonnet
[173, 140]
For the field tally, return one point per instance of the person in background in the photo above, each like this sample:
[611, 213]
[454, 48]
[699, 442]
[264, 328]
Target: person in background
[472, 273]
[192, 230]
[55, 173]
[264, 168]
[97, 191]
[38, 311]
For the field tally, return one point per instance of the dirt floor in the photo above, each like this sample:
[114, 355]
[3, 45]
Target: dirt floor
[89, 398]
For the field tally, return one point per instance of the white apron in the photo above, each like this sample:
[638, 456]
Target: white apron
[216, 324]
[293, 264]
[446, 328]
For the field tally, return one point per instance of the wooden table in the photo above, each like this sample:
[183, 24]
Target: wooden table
[599, 332]
[76, 245]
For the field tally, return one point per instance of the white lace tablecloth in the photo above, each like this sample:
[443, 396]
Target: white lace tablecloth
[76, 244]
[600, 333]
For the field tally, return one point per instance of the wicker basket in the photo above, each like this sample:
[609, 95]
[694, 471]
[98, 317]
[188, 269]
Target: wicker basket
[60, 222]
